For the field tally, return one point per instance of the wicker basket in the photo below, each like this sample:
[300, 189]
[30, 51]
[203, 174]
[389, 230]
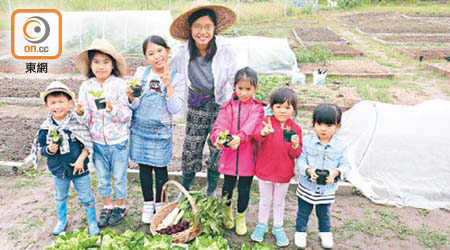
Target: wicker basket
[181, 237]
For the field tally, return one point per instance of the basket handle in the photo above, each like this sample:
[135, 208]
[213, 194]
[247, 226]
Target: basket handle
[184, 191]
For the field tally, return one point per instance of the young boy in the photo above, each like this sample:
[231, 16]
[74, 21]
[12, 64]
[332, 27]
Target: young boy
[66, 143]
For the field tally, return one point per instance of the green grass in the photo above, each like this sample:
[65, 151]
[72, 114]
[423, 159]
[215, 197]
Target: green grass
[432, 239]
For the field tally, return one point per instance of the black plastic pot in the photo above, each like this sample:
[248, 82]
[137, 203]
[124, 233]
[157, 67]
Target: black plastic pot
[228, 140]
[99, 104]
[137, 90]
[323, 174]
[288, 134]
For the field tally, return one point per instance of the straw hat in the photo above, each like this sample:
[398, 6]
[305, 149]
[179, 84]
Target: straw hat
[179, 28]
[56, 87]
[82, 60]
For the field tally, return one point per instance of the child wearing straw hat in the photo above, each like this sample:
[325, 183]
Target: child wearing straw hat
[66, 143]
[109, 125]
[208, 67]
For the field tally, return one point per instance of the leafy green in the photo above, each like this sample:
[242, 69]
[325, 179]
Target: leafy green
[55, 136]
[210, 213]
[263, 246]
[133, 83]
[158, 242]
[76, 240]
[97, 94]
[210, 243]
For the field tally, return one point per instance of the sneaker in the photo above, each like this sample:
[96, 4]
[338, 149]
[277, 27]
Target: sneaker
[260, 231]
[105, 214]
[147, 212]
[300, 239]
[326, 239]
[280, 236]
[117, 216]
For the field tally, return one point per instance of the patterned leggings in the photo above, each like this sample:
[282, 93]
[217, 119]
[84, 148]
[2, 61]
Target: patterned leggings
[198, 127]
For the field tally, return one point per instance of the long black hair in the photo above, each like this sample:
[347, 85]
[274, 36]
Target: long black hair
[246, 73]
[212, 46]
[92, 53]
[156, 40]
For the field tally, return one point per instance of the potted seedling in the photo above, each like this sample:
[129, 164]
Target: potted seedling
[288, 133]
[225, 138]
[56, 137]
[98, 98]
[137, 89]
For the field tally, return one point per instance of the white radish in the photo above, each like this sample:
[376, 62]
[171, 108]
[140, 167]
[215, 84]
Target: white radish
[169, 219]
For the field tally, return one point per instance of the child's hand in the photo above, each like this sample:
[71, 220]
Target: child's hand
[53, 148]
[295, 139]
[165, 78]
[130, 94]
[79, 109]
[268, 129]
[312, 173]
[108, 105]
[218, 145]
[332, 176]
[78, 166]
[234, 144]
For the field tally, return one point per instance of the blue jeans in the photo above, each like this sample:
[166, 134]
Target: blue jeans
[111, 161]
[81, 184]
[322, 212]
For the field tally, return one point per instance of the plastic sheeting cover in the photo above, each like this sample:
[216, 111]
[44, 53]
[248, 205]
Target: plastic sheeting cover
[400, 154]
[263, 54]
[125, 29]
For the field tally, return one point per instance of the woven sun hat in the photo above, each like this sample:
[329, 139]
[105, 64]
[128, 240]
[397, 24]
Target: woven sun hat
[82, 60]
[56, 87]
[179, 29]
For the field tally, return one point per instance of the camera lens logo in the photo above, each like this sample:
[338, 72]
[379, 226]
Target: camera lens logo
[36, 30]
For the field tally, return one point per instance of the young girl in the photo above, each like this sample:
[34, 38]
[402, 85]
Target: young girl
[239, 117]
[151, 123]
[208, 67]
[321, 151]
[281, 144]
[109, 126]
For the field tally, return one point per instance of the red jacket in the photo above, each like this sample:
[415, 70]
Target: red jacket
[275, 161]
[250, 115]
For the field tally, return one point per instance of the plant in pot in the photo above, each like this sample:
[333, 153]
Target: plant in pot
[137, 89]
[225, 138]
[288, 133]
[98, 98]
[56, 137]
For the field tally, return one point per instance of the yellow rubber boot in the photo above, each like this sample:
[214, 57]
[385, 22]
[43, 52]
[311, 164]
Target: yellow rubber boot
[228, 220]
[241, 226]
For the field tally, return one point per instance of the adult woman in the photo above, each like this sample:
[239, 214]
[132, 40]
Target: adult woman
[209, 68]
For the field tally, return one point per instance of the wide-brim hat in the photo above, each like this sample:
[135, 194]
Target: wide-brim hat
[82, 60]
[57, 87]
[179, 29]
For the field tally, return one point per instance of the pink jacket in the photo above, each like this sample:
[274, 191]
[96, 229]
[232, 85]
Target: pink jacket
[250, 116]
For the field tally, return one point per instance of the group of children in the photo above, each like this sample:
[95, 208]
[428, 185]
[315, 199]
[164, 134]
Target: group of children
[140, 128]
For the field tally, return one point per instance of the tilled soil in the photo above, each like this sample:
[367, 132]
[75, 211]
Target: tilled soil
[16, 136]
[428, 53]
[416, 39]
[341, 50]
[348, 68]
[394, 23]
[317, 34]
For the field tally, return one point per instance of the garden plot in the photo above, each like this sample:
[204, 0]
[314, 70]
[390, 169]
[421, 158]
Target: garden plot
[311, 37]
[348, 68]
[27, 86]
[443, 68]
[427, 53]
[415, 40]
[384, 23]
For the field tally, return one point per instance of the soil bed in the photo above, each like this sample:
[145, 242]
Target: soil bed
[416, 39]
[394, 23]
[341, 50]
[317, 34]
[348, 68]
[428, 54]
[16, 137]
[443, 68]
